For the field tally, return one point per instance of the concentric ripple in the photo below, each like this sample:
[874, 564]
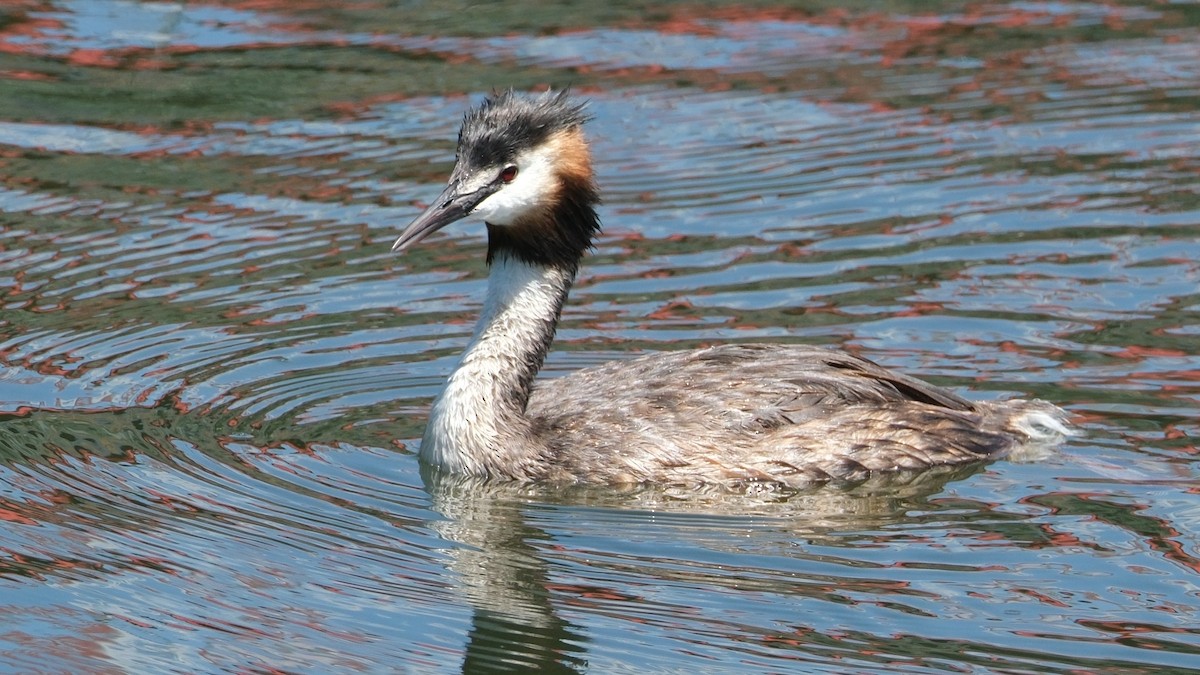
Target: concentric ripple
[213, 372]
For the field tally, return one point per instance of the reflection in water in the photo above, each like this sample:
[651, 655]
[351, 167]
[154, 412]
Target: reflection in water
[210, 365]
[515, 626]
[500, 562]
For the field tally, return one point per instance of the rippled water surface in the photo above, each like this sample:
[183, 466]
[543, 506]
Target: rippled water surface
[214, 374]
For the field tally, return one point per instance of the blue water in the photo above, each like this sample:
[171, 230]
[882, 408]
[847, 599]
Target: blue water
[214, 374]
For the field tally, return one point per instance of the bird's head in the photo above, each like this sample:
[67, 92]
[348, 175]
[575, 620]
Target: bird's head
[524, 168]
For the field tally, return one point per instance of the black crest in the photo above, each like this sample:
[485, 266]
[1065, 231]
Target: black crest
[506, 123]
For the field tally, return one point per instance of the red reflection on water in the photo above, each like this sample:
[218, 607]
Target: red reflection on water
[21, 25]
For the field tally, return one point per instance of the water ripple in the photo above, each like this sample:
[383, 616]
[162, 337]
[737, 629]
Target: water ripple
[213, 372]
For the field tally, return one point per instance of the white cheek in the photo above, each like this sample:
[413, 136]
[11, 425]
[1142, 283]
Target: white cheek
[525, 195]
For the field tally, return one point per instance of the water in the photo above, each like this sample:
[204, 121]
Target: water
[213, 373]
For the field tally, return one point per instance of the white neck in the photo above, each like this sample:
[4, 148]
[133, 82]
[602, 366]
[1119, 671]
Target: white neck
[477, 424]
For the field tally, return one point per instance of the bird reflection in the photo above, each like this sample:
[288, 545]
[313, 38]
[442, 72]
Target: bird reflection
[503, 568]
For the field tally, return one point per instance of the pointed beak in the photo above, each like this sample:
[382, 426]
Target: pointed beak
[453, 204]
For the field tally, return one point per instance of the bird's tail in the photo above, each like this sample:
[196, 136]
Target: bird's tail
[1043, 424]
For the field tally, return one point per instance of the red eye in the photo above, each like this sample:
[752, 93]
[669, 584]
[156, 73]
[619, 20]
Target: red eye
[508, 173]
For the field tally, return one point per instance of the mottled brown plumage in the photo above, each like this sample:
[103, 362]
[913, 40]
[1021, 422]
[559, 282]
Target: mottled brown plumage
[739, 416]
[742, 413]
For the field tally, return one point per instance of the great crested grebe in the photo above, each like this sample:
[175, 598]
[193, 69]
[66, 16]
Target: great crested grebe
[732, 415]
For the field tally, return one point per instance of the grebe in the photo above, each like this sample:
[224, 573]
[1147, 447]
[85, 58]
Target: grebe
[739, 415]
